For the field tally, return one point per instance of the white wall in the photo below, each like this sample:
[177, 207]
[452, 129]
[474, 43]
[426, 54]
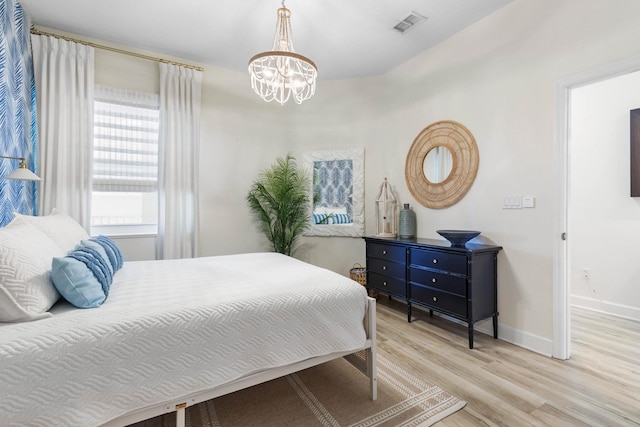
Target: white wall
[239, 138]
[604, 220]
[496, 77]
[342, 114]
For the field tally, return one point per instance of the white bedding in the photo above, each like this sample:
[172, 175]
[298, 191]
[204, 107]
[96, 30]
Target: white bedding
[172, 328]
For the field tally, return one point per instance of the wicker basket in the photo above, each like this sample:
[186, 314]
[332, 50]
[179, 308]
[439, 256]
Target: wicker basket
[359, 274]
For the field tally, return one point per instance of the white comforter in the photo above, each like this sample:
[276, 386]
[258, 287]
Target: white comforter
[172, 328]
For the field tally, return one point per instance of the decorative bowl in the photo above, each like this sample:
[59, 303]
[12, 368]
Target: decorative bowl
[458, 238]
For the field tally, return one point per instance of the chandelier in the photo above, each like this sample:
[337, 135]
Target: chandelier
[281, 73]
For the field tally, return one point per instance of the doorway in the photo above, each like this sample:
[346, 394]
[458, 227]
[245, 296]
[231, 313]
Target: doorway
[564, 272]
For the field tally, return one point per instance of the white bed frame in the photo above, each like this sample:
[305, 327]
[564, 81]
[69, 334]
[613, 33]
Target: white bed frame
[368, 366]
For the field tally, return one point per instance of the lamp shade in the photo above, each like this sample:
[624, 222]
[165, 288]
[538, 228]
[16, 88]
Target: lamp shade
[23, 174]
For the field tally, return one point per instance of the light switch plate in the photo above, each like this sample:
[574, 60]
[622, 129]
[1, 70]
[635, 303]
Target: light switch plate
[512, 201]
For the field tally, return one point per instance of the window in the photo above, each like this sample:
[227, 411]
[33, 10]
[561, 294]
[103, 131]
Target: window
[125, 162]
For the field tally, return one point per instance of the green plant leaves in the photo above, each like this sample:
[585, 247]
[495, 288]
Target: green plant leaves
[279, 201]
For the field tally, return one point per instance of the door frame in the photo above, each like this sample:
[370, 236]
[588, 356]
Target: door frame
[561, 286]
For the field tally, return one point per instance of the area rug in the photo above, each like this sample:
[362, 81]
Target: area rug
[332, 394]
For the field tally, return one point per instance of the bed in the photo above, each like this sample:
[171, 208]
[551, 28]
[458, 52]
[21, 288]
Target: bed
[174, 333]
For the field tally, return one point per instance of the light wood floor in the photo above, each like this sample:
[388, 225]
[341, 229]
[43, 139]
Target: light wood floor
[505, 385]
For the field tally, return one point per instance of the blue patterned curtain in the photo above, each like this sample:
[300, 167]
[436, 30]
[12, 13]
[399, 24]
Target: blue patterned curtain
[17, 110]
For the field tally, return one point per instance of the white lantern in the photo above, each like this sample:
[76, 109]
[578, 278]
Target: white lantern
[386, 211]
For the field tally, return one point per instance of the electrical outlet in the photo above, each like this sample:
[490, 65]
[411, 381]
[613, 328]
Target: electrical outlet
[528, 201]
[586, 273]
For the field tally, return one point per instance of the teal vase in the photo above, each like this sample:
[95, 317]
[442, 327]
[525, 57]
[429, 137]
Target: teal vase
[407, 223]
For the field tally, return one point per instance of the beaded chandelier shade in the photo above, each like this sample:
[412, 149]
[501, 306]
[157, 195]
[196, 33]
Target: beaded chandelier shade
[282, 74]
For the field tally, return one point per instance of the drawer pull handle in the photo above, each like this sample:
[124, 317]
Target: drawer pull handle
[435, 299]
[435, 261]
[384, 283]
[384, 267]
[433, 280]
[384, 252]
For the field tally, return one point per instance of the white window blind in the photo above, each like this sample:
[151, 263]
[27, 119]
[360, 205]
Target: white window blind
[125, 162]
[126, 126]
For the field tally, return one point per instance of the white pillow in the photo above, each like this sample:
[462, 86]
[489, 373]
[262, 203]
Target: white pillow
[59, 227]
[26, 290]
[330, 210]
[336, 210]
[319, 211]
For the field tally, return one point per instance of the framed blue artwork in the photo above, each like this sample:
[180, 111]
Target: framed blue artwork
[337, 190]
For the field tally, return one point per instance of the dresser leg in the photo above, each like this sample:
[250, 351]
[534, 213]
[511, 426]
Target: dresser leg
[470, 335]
[409, 312]
[495, 326]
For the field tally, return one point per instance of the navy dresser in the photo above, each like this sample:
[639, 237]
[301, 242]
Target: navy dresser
[460, 282]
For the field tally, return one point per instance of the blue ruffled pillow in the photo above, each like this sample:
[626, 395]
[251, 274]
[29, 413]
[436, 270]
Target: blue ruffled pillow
[98, 247]
[83, 277]
[112, 250]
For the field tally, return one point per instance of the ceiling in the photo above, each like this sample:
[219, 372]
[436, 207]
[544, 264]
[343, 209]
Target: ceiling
[346, 39]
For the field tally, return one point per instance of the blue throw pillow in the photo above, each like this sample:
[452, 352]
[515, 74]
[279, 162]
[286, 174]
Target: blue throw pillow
[112, 250]
[342, 219]
[320, 218]
[83, 277]
[98, 247]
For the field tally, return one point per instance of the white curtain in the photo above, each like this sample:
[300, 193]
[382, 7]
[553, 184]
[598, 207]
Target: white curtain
[180, 98]
[64, 74]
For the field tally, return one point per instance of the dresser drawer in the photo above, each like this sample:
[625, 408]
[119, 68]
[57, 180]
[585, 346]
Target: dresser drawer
[387, 268]
[454, 263]
[439, 300]
[388, 284]
[438, 280]
[388, 252]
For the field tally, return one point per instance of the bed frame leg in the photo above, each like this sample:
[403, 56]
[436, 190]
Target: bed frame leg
[371, 353]
[180, 414]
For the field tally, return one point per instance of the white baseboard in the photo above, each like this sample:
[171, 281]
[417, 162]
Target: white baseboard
[517, 337]
[514, 336]
[614, 309]
[543, 345]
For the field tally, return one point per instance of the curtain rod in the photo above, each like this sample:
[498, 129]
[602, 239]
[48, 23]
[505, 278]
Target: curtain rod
[113, 49]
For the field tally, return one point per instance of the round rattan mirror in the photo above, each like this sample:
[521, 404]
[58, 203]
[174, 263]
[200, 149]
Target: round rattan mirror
[463, 164]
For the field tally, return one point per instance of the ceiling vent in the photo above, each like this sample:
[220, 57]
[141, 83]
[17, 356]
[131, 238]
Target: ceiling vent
[409, 22]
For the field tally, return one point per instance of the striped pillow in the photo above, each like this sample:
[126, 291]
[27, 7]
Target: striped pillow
[320, 218]
[342, 219]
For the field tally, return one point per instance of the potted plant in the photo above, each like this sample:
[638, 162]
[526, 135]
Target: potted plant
[279, 201]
